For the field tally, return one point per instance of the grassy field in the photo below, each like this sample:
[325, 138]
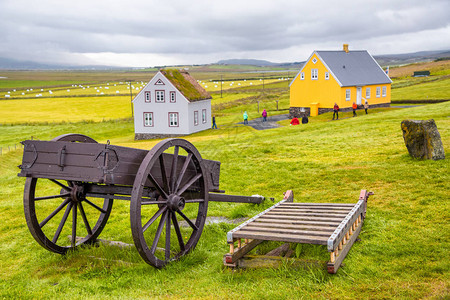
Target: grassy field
[404, 247]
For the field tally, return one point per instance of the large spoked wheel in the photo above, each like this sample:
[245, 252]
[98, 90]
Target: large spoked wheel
[48, 204]
[169, 202]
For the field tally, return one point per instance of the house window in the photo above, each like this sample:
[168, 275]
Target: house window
[148, 119]
[384, 91]
[347, 95]
[173, 119]
[159, 82]
[302, 75]
[172, 97]
[159, 96]
[314, 74]
[196, 117]
[368, 93]
[314, 60]
[147, 96]
[378, 91]
[204, 116]
[327, 75]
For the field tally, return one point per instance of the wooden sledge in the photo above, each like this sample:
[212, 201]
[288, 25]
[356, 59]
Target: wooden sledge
[336, 225]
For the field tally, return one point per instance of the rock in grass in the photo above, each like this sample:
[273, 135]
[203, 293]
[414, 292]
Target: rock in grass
[422, 139]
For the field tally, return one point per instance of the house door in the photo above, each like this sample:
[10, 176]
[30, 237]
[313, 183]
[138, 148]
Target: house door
[358, 95]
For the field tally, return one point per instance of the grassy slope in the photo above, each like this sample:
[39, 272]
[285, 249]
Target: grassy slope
[404, 244]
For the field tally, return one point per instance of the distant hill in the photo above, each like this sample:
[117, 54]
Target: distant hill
[383, 60]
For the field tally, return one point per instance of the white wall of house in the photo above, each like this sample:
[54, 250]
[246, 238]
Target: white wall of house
[162, 111]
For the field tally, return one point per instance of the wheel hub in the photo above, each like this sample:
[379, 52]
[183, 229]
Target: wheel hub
[175, 202]
[77, 193]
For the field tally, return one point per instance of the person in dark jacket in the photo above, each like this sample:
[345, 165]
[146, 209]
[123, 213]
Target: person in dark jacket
[214, 126]
[335, 111]
[304, 119]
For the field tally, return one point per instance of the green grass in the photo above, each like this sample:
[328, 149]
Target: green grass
[424, 90]
[404, 247]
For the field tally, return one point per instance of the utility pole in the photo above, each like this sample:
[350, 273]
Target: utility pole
[131, 101]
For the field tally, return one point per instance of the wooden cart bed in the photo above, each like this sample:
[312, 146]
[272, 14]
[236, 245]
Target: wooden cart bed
[335, 225]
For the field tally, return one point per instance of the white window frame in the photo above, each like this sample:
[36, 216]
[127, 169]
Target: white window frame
[302, 75]
[148, 96]
[203, 116]
[173, 119]
[173, 97]
[384, 90]
[146, 123]
[314, 60]
[368, 92]
[348, 95]
[327, 75]
[378, 91]
[195, 117]
[314, 74]
[159, 96]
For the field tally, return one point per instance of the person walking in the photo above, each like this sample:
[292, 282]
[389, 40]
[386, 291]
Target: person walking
[264, 115]
[354, 106]
[366, 106]
[245, 118]
[214, 126]
[335, 111]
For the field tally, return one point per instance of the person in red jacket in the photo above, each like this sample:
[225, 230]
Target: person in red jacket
[295, 121]
[335, 111]
[354, 106]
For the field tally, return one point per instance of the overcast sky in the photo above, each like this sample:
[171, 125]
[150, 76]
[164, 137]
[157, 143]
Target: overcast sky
[143, 33]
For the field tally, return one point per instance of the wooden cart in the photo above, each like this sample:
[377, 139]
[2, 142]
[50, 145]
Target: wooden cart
[168, 187]
[336, 225]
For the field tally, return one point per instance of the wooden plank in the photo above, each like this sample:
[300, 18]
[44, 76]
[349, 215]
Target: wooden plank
[312, 223]
[300, 218]
[313, 210]
[233, 198]
[289, 226]
[332, 267]
[285, 231]
[264, 261]
[317, 240]
[306, 214]
[310, 204]
[231, 258]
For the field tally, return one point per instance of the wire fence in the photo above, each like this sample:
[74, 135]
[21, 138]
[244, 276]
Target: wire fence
[6, 149]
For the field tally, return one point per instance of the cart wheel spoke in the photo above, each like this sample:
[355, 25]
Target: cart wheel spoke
[74, 224]
[61, 185]
[167, 252]
[187, 220]
[49, 217]
[152, 219]
[163, 173]
[183, 171]
[85, 220]
[52, 197]
[189, 183]
[158, 232]
[61, 224]
[174, 169]
[178, 232]
[95, 206]
[157, 186]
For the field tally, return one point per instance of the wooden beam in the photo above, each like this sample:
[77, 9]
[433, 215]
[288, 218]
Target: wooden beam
[231, 258]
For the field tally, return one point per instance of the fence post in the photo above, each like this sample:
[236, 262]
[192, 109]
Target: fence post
[277, 105]
[1, 153]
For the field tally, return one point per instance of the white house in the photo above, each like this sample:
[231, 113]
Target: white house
[171, 104]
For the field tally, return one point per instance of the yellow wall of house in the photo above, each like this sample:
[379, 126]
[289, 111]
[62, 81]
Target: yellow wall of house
[327, 92]
[322, 91]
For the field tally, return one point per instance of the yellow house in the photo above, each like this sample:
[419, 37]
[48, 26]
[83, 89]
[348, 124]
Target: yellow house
[341, 77]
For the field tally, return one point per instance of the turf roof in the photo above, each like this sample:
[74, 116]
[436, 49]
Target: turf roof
[186, 84]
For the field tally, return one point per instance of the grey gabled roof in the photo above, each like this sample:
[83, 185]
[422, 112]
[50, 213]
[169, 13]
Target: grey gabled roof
[354, 68]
